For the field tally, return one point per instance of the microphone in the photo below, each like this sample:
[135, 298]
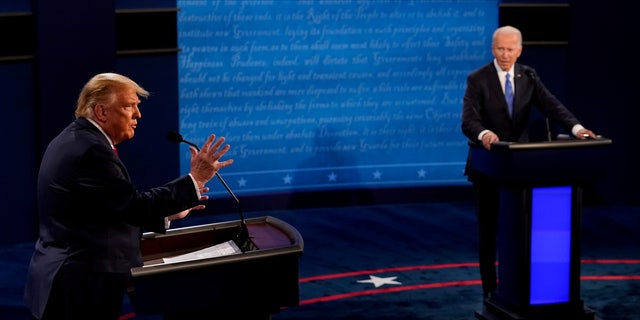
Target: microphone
[531, 74]
[242, 238]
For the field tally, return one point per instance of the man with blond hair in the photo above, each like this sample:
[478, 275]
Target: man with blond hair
[91, 216]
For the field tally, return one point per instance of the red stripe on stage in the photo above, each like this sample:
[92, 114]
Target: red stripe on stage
[612, 278]
[131, 315]
[611, 261]
[371, 271]
[126, 316]
[391, 289]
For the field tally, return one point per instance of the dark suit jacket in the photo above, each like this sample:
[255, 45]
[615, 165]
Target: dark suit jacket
[90, 212]
[484, 105]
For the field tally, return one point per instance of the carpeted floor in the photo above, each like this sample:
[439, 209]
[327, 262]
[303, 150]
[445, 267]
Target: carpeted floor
[407, 261]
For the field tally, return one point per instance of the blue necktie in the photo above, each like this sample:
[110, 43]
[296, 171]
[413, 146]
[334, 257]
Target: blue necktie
[508, 93]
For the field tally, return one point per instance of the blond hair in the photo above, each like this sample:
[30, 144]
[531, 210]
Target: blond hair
[101, 89]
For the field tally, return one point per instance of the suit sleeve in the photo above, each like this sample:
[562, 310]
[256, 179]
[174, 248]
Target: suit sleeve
[157, 205]
[471, 113]
[105, 187]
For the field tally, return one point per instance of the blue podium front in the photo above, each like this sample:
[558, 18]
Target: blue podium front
[539, 225]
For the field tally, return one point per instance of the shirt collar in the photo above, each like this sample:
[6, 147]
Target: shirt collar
[501, 72]
[104, 133]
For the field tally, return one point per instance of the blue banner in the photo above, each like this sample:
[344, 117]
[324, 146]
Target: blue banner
[316, 95]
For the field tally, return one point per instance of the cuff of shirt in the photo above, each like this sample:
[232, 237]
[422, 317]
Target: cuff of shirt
[195, 185]
[167, 222]
[482, 133]
[575, 129]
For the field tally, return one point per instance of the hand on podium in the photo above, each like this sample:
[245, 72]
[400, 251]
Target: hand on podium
[583, 134]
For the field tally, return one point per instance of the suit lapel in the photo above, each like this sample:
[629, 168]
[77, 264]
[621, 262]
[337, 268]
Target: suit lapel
[517, 87]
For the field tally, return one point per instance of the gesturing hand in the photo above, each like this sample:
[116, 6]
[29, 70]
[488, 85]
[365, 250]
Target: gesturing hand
[184, 213]
[204, 163]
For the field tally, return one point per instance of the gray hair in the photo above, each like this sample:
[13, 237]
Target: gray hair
[508, 30]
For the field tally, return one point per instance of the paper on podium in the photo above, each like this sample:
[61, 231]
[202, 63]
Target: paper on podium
[218, 250]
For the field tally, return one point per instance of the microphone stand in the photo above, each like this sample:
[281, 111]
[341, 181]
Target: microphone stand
[242, 238]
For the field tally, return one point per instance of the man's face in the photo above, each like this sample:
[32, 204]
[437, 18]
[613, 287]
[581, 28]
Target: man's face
[506, 49]
[120, 117]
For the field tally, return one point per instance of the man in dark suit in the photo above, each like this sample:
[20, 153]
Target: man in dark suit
[487, 117]
[90, 215]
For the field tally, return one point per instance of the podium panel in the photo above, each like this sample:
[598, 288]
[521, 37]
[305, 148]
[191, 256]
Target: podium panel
[247, 285]
[539, 225]
[538, 163]
[551, 215]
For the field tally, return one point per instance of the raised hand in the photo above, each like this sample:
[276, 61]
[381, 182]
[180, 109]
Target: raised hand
[205, 163]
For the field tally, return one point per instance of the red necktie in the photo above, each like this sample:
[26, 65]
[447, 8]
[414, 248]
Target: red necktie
[115, 151]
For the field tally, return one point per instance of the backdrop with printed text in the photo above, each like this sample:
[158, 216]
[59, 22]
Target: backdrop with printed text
[331, 95]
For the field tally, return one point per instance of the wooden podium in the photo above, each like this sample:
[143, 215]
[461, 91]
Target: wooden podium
[539, 225]
[250, 285]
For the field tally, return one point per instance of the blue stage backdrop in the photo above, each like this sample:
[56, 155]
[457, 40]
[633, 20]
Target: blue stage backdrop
[330, 95]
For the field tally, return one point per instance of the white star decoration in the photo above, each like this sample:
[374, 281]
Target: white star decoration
[378, 282]
[332, 177]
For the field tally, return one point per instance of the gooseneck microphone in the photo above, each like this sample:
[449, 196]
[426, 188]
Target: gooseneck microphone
[532, 75]
[242, 238]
